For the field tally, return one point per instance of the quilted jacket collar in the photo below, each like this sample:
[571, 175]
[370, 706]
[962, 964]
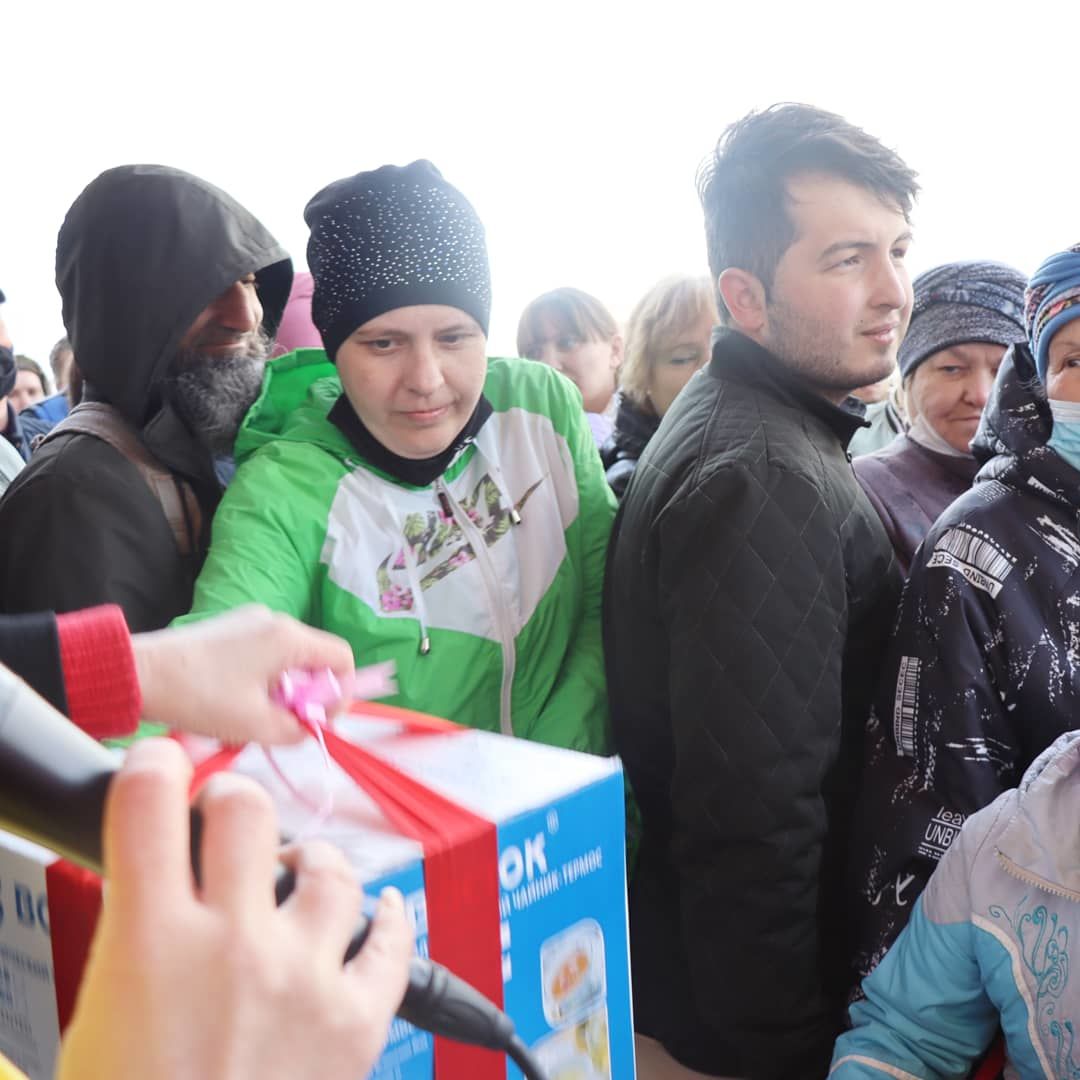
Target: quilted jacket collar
[735, 356]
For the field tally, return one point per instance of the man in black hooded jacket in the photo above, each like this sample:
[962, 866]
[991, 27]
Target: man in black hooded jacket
[749, 595]
[169, 290]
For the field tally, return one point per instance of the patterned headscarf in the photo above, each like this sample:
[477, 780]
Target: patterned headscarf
[1052, 299]
[393, 238]
[961, 302]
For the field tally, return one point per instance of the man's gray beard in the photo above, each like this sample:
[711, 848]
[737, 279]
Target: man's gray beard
[214, 393]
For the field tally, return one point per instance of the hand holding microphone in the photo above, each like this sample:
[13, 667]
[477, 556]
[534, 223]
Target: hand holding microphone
[218, 982]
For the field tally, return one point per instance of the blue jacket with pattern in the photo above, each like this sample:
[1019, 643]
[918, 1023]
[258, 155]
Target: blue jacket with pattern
[989, 943]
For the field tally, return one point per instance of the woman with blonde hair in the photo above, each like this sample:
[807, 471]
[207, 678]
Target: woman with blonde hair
[667, 340]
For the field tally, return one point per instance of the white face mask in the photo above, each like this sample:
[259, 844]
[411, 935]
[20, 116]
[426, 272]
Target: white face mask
[1068, 412]
[922, 433]
[1065, 438]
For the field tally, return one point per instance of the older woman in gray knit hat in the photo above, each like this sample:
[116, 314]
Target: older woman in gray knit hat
[965, 316]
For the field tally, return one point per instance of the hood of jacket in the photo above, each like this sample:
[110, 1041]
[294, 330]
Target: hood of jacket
[141, 252]
[299, 390]
[1014, 430]
[1042, 836]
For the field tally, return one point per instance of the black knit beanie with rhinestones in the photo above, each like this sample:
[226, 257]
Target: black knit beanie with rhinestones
[392, 238]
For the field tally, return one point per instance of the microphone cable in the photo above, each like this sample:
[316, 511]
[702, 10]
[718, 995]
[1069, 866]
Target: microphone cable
[436, 1000]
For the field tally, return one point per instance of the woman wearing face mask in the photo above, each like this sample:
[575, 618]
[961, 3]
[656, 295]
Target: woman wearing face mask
[983, 671]
[574, 333]
[432, 507]
[965, 316]
[667, 340]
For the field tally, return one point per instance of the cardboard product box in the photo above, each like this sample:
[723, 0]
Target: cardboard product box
[48, 911]
[550, 885]
[561, 943]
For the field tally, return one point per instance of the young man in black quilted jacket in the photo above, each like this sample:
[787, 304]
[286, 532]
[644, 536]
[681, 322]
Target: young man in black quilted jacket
[750, 593]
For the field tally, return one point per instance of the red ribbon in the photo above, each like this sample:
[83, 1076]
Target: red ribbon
[460, 869]
[74, 906]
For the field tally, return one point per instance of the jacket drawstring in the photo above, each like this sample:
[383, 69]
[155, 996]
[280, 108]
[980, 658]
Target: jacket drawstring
[418, 596]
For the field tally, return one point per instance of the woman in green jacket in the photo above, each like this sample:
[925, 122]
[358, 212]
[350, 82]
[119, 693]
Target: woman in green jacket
[432, 507]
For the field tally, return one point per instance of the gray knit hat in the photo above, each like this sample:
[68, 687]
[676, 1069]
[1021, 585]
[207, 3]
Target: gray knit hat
[961, 302]
[393, 238]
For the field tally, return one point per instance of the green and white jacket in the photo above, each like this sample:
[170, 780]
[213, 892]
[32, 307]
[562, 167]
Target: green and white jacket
[484, 587]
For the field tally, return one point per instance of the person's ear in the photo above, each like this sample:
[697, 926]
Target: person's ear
[616, 352]
[744, 296]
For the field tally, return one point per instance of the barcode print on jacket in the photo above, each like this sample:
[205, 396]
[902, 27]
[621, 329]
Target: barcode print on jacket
[974, 555]
[982, 553]
[906, 705]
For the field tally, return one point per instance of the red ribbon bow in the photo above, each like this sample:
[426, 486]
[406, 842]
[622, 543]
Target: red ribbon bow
[460, 867]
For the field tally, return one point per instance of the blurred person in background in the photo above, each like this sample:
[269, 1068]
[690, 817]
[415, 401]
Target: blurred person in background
[297, 331]
[667, 341]
[61, 357]
[11, 457]
[574, 333]
[31, 384]
[885, 414]
[14, 438]
[42, 416]
[965, 316]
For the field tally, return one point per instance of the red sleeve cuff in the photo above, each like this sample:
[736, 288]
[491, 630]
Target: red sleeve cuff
[99, 671]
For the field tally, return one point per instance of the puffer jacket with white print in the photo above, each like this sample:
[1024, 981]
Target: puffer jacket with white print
[983, 671]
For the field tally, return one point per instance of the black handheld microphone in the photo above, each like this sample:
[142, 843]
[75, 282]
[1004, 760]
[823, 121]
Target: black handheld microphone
[53, 782]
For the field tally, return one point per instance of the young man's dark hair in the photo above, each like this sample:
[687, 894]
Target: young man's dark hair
[743, 184]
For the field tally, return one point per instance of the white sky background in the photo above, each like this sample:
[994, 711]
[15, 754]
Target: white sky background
[575, 129]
